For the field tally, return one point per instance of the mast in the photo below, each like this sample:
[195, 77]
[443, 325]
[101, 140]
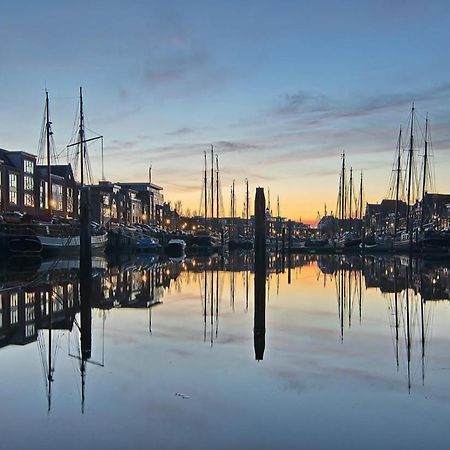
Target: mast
[103, 164]
[345, 192]
[361, 196]
[410, 159]
[81, 134]
[424, 178]
[247, 199]
[150, 203]
[351, 196]
[205, 181]
[342, 192]
[48, 133]
[233, 202]
[212, 184]
[397, 183]
[217, 188]
[339, 202]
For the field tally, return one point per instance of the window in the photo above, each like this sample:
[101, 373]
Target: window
[29, 330]
[28, 166]
[70, 296]
[14, 308]
[28, 182]
[69, 200]
[57, 197]
[29, 313]
[13, 188]
[43, 195]
[29, 298]
[28, 199]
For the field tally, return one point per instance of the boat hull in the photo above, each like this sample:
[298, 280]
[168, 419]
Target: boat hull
[71, 244]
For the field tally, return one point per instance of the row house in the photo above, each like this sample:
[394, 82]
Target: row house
[380, 218]
[436, 210]
[127, 203]
[151, 201]
[24, 186]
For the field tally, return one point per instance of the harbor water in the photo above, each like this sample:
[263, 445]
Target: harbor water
[334, 352]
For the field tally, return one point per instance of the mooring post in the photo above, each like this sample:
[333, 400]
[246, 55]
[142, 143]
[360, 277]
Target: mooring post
[289, 236]
[289, 250]
[259, 329]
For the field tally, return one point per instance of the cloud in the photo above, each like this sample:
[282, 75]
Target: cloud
[323, 107]
[302, 101]
[181, 132]
[175, 65]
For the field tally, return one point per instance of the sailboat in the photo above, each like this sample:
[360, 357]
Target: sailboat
[418, 236]
[66, 237]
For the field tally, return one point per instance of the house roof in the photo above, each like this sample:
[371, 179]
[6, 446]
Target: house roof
[59, 170]
[141, 186]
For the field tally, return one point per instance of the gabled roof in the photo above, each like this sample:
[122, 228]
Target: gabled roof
[17, 152]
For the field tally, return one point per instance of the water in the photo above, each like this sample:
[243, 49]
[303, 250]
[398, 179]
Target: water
[341, 356]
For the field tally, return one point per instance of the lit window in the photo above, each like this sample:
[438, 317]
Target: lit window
[28, 166]
[13, 188]
[57, 197]
[43, 195]
[28, 199]
[14, 308]
[69, 200]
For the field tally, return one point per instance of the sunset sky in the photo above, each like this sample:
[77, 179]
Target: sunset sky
[280, 88]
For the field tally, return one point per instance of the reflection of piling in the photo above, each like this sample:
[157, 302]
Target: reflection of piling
[85, 285]
[85, 271]
[259, 330]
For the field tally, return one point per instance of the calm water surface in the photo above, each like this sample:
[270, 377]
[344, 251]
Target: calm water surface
[343, 352]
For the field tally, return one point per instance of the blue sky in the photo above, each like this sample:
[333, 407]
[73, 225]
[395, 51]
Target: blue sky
[280, 88]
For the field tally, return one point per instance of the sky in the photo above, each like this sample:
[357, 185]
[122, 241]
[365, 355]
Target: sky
[280, 88]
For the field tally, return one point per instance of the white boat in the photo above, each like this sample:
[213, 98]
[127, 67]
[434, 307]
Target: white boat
[71, 243]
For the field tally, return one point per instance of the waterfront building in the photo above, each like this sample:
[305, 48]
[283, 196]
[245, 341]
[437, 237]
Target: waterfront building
[151, 201]
[436, 210]
[64, 195]
[380, 217]
[17, 181]
[24, 186]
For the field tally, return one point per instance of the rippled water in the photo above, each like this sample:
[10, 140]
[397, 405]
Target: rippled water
[345, 352]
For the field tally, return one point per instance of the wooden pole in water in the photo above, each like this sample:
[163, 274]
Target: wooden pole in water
[259, 329]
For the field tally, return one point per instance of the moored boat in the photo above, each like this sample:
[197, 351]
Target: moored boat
[175, 247]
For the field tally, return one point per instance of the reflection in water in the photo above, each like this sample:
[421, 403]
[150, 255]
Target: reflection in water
[407, 284]
[43, 304]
